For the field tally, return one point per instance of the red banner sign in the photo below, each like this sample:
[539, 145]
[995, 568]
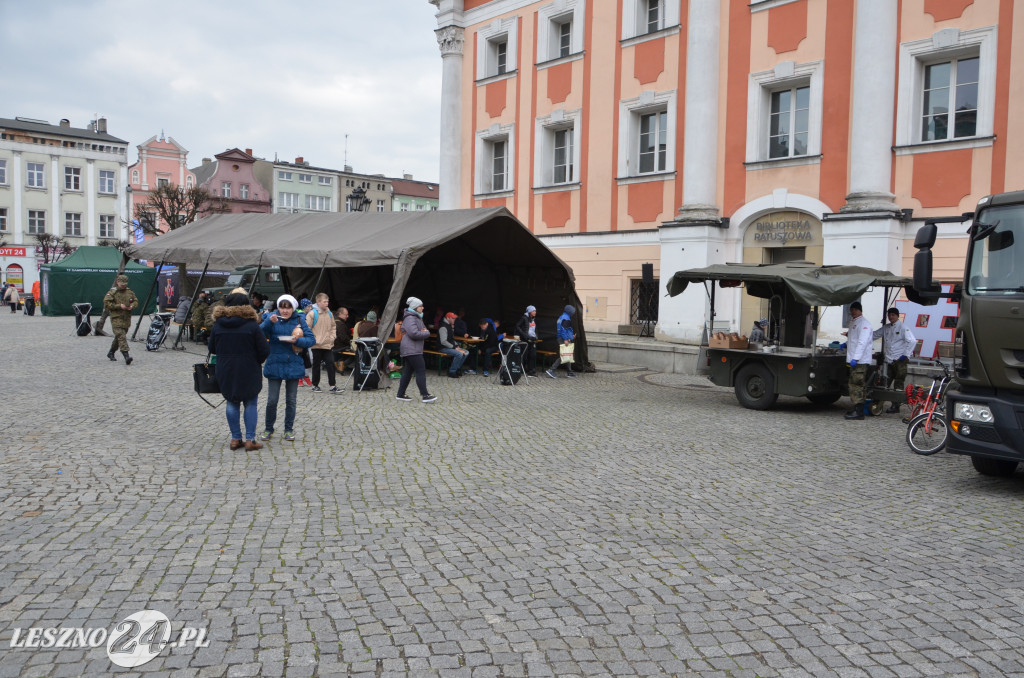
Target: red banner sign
[12, 251]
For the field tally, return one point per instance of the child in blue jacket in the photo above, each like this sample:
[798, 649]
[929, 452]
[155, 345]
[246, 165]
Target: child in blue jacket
[563, 327]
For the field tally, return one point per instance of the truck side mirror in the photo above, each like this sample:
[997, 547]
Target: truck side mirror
[925, 238]
[923, 271]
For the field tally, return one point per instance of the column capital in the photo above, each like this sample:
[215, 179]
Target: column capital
[449, 40]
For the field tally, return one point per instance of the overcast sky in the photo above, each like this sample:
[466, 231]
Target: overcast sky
[284, 77]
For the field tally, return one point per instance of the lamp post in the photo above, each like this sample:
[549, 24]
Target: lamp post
[357, 200]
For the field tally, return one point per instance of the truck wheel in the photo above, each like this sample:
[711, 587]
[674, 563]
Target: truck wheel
[998, 468]
[823, 398]
[755, 387]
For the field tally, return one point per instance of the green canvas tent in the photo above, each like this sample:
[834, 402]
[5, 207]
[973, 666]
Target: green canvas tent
[86, 275]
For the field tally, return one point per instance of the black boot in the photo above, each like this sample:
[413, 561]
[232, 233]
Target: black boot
[128, 359]
[110, 354]
[855, 413]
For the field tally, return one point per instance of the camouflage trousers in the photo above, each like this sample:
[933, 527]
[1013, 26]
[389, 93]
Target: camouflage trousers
[858, 380]
[898, 374]
[120, 342]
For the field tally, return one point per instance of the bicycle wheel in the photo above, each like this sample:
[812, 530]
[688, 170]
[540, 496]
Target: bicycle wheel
[924, 438]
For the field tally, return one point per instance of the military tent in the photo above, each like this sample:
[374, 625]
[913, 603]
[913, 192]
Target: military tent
[86, 275]
[482, 260]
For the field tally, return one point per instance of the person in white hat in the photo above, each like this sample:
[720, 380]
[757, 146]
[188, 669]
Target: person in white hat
[414, 333]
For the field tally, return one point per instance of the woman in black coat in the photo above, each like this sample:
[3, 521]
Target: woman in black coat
[240, 349]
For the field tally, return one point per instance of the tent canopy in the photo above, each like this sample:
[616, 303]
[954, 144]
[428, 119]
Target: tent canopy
[483, 260]
[86, 275]
[809, 283]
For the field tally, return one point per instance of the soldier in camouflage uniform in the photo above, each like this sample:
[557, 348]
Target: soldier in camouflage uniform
[120, 302]
[209, 313]
[199, 315]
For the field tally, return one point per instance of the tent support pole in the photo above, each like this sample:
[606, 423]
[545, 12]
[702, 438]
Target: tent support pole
[255, 278]
[149, 296]
[321, 276]
[195, 293]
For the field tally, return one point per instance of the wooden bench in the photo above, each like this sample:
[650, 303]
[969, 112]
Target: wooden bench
[441, 357]
[549, 355]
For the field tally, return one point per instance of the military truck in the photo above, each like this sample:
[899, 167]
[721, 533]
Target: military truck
[269, 282]
[985, 406]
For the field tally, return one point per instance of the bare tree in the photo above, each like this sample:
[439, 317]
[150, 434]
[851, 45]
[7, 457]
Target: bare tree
[52, 247]
[125, 247]
[173, 207]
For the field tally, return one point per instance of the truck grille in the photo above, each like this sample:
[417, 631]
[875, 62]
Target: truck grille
[985, 434]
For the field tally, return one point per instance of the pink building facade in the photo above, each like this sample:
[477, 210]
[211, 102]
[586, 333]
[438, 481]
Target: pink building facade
[161, 161]
[230, 178]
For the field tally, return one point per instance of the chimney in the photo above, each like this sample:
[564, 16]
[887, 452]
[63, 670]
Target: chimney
[298, 160]
[348, 168]
[206, 161]
[64, 122]
[101, 125]
[248, 151]
[407, 177]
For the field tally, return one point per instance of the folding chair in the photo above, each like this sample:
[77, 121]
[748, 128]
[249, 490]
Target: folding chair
[511, 361]
[83, 324]
[373, 348]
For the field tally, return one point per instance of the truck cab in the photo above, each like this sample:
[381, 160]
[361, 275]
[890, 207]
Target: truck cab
[986, 409]
[269, 282]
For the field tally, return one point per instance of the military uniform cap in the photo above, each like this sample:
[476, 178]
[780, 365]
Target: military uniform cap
[121, 279]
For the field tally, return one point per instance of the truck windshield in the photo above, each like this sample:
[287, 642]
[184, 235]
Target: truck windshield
[238, 280]
[996, 265]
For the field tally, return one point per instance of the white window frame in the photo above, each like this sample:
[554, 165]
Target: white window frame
[35, 175]
[305, 178]
[485, 140]
[135, 177]
[73, 224]
[3, 171]
[107, 226]
[243, 191]
[106, 182]
[550, 19]
[3, 220]
[289, 201]
[36, 223]
[760, 87]
[318, 203]
[380, 205]
[326, 181]
[630, 112]
[225, 189]
[544, 158]
[488, 38]
[944, 45]
[284, 176]
[634, 17]
[72, 178]
[162, 181]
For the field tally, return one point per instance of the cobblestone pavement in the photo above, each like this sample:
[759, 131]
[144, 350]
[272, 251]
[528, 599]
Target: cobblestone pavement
[624, 523]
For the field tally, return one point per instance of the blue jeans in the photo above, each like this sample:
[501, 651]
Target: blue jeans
[233, 411]
[291, 392]
[458, 357]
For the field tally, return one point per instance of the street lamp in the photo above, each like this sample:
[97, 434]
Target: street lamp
[357, 200]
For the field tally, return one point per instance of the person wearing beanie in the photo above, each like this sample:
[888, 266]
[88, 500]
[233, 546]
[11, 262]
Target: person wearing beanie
[566, 336]
[119, 302]
[367, 329]
[414, 333]
[284, 329]
[446, 340]
[526, 330]
[240, 349]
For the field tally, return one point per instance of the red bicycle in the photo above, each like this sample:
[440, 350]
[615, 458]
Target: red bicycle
[926, 425]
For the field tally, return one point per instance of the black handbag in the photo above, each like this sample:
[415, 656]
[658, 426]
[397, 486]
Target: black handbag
[204, 376]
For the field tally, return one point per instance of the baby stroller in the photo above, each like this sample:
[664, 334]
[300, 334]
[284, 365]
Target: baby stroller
[158, 327]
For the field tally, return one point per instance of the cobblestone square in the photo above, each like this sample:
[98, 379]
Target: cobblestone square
[625, 523]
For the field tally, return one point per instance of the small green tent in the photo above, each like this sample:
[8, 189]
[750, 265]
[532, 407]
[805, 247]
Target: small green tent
[86, 275]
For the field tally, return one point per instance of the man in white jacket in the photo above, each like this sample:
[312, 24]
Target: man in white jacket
[859, 340]
[899, 346]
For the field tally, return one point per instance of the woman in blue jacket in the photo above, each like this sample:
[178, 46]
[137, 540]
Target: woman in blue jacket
[288, 335]
[563, 328]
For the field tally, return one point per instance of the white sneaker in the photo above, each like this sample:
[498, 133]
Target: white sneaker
[429, 398]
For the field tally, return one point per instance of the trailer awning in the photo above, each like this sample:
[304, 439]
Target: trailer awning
[809, 283]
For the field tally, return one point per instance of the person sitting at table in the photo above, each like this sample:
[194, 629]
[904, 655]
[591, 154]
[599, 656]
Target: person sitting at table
[461, 328]
[342, 340]
[367, 328]
[446, 341]
[526, 330]
[491, 339]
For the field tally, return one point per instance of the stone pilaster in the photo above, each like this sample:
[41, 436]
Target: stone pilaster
[450, 41]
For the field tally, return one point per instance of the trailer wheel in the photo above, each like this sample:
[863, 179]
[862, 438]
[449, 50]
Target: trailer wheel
[824, 398]
[755, 387]
[998, 468]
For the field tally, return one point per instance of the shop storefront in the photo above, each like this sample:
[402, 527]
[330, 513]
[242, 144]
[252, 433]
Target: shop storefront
[18, 265]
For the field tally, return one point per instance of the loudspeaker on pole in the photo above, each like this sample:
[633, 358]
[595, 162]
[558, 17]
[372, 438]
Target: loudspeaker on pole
[647, 271]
